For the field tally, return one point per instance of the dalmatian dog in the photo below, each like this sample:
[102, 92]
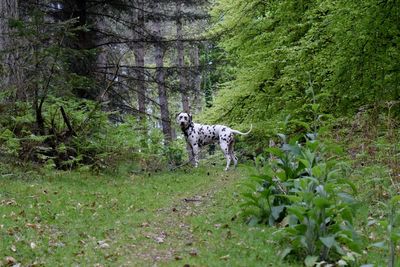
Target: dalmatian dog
[198, 135]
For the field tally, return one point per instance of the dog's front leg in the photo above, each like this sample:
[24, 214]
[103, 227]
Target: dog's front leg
[196, 149]
[189, 150]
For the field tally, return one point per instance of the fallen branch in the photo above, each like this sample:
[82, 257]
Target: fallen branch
[67, 122]
[179, 166]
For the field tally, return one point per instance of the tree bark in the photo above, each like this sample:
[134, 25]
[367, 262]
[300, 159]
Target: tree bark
[139, 58]
[8, 11]
[162, 92]
[196, 77]
[181, 60]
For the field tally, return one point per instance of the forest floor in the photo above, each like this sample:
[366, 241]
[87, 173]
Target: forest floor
[187, 217]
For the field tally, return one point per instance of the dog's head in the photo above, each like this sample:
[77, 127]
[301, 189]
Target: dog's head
[184, 119]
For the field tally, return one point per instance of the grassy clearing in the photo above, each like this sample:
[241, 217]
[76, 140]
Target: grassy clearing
[175, 218]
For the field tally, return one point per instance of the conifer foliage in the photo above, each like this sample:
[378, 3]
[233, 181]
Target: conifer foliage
[71, 71]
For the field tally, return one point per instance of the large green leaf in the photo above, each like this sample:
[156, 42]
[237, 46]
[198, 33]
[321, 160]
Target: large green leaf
[310, 261]
[276, 211]
[322, 202]
[328, 241]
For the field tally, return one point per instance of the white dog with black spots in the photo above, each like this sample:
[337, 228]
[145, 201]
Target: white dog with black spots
[198, 135]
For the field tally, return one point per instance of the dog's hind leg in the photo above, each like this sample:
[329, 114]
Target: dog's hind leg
[234, 158]
[225, 149]
[232, 153]
[228, 161]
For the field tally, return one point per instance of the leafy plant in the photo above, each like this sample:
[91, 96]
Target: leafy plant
[311, 197]
[174, 152]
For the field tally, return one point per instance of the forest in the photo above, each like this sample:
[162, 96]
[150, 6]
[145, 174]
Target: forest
[97, 167]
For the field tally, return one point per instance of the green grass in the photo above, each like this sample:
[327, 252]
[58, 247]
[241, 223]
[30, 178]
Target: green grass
[168, 219]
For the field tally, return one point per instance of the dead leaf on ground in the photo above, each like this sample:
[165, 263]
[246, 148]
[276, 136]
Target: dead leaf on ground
[226, 257]
[33, 225]
[160, 239]
[8, 202]
[193, 252]
[145, 224]
[56, 244]
[103, 244]
[10, 260]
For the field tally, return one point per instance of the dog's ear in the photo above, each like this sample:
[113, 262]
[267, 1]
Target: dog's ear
[176, 116]
[190, 117]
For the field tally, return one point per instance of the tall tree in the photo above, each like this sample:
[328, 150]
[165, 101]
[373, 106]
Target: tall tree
[160, 79]
[181, 59]
[195, 76]
[8, 51]
[139, 51]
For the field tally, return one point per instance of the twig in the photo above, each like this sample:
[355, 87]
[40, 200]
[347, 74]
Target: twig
[67, 122]
[192, 200]
[179, 166]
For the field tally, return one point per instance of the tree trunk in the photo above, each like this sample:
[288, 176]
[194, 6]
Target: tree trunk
[139, 58]
[196, 77]
[162, 93]
[181, 61]
[8, 53]
[84, 40]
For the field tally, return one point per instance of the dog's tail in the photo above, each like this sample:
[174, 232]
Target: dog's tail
[246, 133]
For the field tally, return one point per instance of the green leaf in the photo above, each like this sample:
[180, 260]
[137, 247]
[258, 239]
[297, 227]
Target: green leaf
[276, 211]
[347, 198]
[315, 107]
[328, 241]
[347, 214]
[275, 151]
[394, 200]
[321, 202]
[292, 198]
[297, 211]
[310, 260]
[285, 252]
[305, 162]
[394, 237]
[348, 182]
[253, 221]
[381, 244]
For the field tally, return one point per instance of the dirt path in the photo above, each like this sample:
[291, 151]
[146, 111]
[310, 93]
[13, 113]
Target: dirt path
[170, 237]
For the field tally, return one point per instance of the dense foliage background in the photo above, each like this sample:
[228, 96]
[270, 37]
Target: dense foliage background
[292, 59]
